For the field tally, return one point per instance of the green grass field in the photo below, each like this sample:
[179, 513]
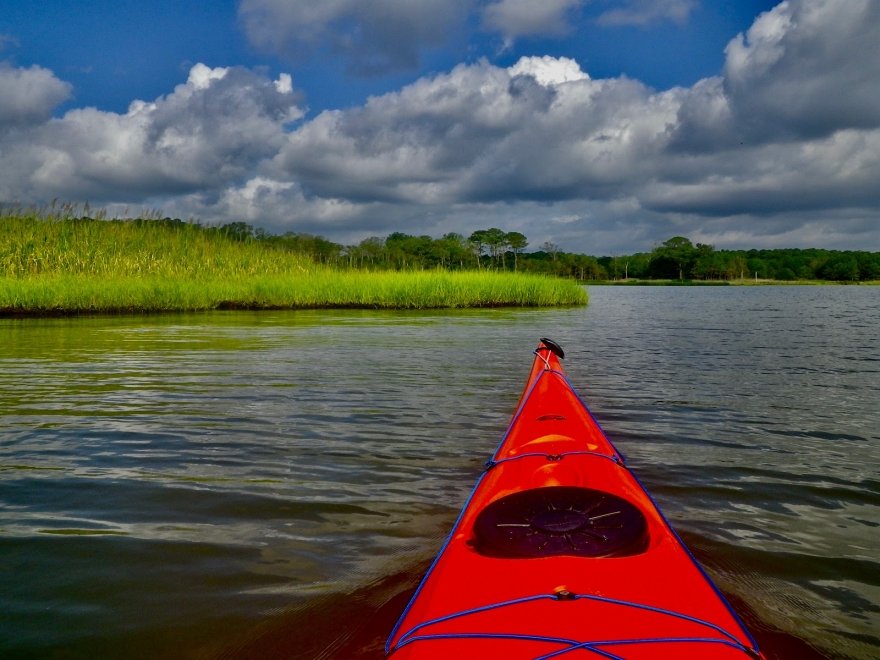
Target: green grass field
[70, 266]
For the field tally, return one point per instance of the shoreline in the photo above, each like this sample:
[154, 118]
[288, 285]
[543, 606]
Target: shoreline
[746, 283]
[69, 295]
[235, 307]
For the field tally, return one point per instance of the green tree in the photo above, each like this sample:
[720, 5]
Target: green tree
[458, 249]
[737, 268]
[869, 265]
[709, 264]
[517, 243]
[673, 259]
[841, 267]
[496, 239]
[370, 250]
[758, 268]
[478, 243]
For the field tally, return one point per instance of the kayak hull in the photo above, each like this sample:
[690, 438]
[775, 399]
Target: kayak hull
[560, 551]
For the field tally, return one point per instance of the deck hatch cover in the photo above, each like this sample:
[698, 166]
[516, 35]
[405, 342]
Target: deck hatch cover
[560, 520]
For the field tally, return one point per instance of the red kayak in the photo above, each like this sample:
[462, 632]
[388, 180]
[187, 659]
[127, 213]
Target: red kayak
[560, 551]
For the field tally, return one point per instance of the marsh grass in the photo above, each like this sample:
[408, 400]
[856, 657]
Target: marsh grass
[32, 246]
[69, 266]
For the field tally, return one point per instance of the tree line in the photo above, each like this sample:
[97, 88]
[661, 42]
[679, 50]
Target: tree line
[675, 259]
[678, 258]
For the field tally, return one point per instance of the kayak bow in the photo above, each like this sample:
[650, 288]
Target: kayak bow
[560, 551]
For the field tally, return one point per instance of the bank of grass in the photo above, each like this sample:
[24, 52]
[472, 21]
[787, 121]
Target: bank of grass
[33, 246]
[321, 288]
[70, 266]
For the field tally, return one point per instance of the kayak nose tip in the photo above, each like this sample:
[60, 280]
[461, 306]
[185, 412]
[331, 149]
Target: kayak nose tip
[553, 347]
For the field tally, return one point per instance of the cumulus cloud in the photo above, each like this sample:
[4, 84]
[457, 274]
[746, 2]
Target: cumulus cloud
[808, 67]
[839, 171]
[521, 18]
[375, 37]
[804, 70]
[541, 130]
[549, 70]
[209, 131]
[281, 205]
[645, 12]
[29, 96]
[459, 137]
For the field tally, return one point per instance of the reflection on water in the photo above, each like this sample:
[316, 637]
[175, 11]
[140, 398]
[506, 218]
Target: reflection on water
[226, 484]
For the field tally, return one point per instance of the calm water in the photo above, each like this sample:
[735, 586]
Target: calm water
[262, 485]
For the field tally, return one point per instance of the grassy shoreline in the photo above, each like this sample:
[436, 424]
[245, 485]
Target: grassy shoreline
[65, 266]
[321, 289]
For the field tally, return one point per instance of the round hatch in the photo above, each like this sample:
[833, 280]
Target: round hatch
[560, 520]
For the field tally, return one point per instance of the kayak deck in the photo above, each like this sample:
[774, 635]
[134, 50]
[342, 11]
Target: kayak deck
[560, 551]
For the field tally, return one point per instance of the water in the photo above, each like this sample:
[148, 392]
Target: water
[274, 484]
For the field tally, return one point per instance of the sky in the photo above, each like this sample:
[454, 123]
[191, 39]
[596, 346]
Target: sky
[602, 126]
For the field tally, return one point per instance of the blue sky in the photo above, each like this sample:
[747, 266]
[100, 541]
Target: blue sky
[605, 126]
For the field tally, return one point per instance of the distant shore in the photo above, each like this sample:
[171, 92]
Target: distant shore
[737, 282]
